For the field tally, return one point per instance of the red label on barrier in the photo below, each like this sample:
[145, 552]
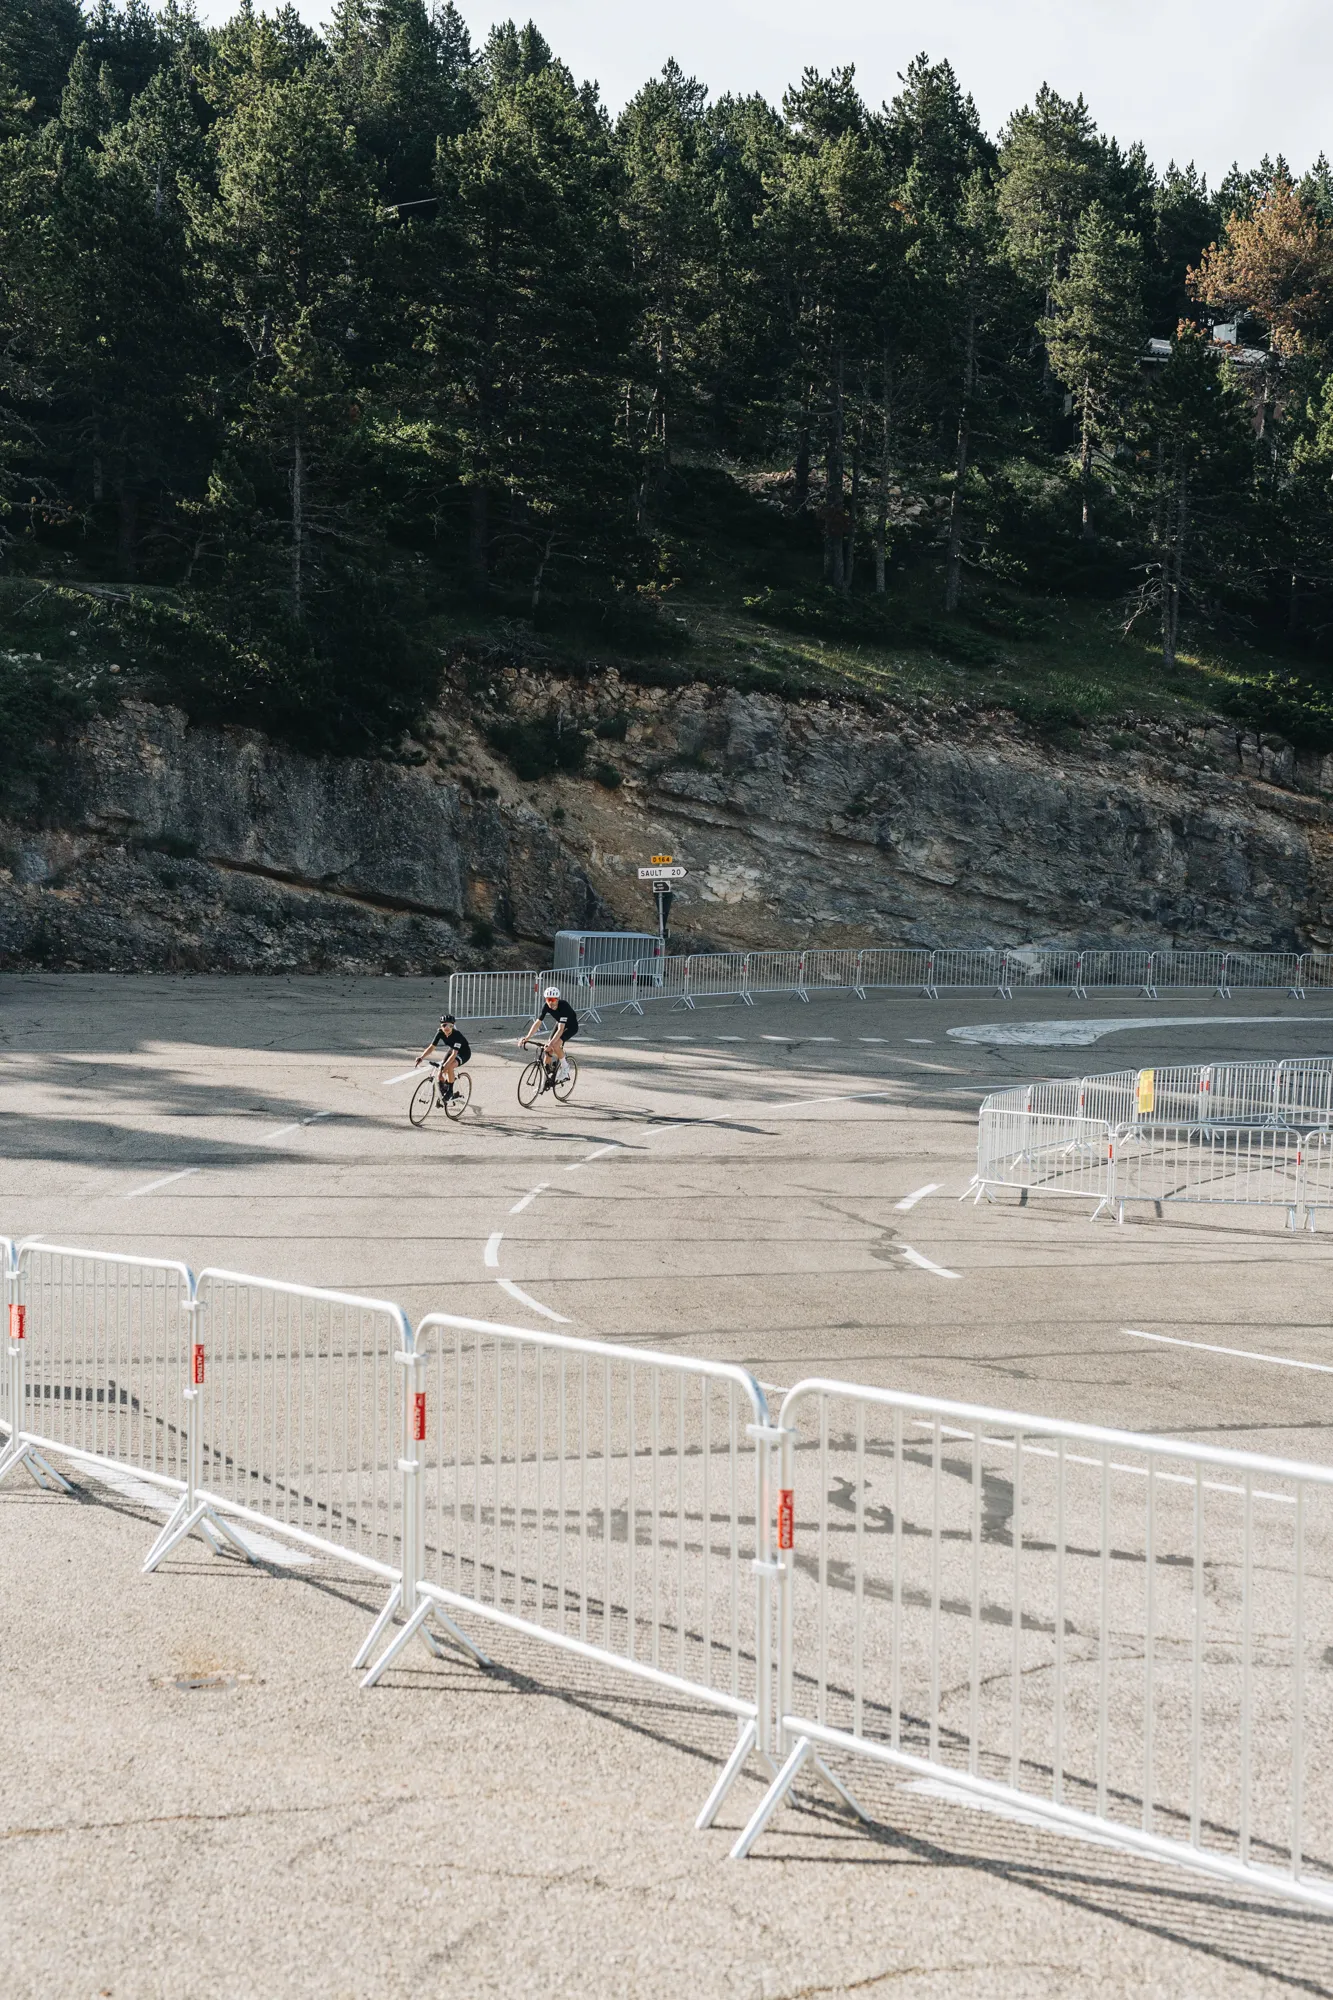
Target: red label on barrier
[197, 1363]
[786, 1516]
[419, 1417]
[18, 1320]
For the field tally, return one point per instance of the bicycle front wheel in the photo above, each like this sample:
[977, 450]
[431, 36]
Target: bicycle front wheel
[455, 1106]
[423, 1097]
[564, 1086]
[531, 1083]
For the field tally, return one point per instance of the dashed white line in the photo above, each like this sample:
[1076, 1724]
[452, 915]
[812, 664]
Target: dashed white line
[415, 1070]
[924, 1264]
[165, 1181]
[267, 1138]
[599, 1154]
[492, 1252]
[911, 1200]
[1238, 1353]
[843, 1097]
[533, 1305]
[872, 1038]
[531, 1195]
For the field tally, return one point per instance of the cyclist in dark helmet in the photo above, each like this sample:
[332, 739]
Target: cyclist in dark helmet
[457, 1049]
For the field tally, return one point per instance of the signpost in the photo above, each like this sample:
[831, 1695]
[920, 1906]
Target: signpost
[662, 874]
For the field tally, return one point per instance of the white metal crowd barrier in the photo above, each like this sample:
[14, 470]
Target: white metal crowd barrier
[1118, 1634]
[301, 1415]
[1257, 1134]
[606, 1500]
[742, 975]
[97, 1353]
[248, 1399]
[1114, 1633]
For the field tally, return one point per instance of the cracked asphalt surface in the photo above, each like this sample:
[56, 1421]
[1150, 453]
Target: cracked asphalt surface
[197, 1798]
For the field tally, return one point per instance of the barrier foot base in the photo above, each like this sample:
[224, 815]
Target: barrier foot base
[185, 1521]
[16, 1454]
[839, 1790]
[417, 1624]
[773, 1798]
[727, 1777]
[378, 1629]
[802, 1754]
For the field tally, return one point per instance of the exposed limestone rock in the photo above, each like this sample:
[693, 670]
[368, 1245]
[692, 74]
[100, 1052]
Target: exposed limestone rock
[158, 845]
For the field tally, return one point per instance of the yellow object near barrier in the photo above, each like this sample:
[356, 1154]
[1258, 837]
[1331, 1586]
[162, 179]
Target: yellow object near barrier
[1147, 1092]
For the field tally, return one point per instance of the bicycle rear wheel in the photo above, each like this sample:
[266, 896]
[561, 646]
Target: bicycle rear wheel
[423, 1097]
[531, 1083]
[455, 1106]
[564, 1088]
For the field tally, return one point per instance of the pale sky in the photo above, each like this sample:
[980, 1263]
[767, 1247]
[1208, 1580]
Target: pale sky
[1208, 80]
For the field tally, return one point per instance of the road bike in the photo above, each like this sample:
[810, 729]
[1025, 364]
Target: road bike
[426, 1095]
[541, 1074]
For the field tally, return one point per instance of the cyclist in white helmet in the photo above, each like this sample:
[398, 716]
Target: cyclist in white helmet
[564, 1026]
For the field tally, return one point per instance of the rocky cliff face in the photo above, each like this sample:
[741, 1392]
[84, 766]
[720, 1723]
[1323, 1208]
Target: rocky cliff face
[162, 846]
[819, 822]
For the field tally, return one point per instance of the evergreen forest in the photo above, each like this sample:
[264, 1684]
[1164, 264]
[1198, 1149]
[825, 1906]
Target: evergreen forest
[332, 362]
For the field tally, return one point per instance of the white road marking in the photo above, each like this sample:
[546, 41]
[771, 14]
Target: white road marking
[731, 1038]
[1081, 1034]
[267, 1138]
[843, 1097]
[492, 1253]
[924, 1264]
[414, 1071]
[920, 1041]
[776, 1038]
[871, 1038]
[911, 1200]
[165, 1181]
[819, 1038]
[141, 1494]
[533, 1305]
[531, 1195]
[1239, 1353]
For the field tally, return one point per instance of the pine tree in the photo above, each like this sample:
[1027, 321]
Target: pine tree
[1095, 336]
[529, 334]
[284, 245]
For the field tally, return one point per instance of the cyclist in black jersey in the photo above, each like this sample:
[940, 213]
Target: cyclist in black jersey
[457, 1049]
[564, 1025]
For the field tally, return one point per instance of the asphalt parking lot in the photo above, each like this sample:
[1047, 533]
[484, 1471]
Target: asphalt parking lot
[197, 1797]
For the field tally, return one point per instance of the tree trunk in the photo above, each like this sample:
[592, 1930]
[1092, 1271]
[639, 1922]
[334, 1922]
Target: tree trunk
[298, 527]
[1175, 570]
[539, 573]
[835, 524]
[127, 520]
[1085, 459]
[800, 495]
[479, 535]
[882, 507]
[953, 562]
[854, 510]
